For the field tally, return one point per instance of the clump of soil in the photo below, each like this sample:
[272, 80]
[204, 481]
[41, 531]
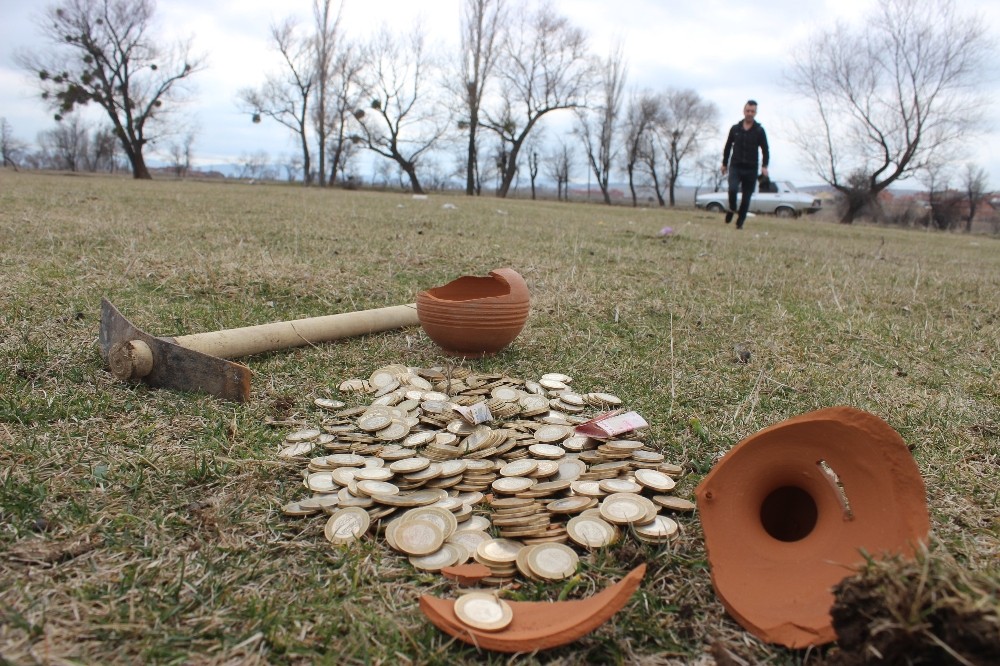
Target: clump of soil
[925, 611]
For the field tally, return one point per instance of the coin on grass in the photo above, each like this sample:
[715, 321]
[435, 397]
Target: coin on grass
[557, 377]
[320, 482]
[296, 450]
[373, 474]
[373, 488]
[547, 451]
[674, 503]
[506, 393]
[483, 611]
[346, 525]
[374, 422]
[522, 467]
[619, 486]
[410, 465]
[660, 529]
[553, 561]
[551, 433]
[512, 484]
[442, 518]
[302, 508]
[305, 435]
[654, 480]
[418, 537]
[395, 431]
[445, 556]
[499, 551]
[627, 508]
[327, 403]
[573, 504]
[591, 532]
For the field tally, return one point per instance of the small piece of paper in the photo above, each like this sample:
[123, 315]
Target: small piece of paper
[610, 424]
[476, 414]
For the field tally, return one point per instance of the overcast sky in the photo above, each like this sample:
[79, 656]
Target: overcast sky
[727, 50]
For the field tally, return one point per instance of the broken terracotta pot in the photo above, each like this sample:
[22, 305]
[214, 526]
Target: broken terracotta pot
[538, 625]
[475, 316]
[790, 510]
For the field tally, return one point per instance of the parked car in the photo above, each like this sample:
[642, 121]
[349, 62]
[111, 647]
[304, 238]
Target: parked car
[782, 199]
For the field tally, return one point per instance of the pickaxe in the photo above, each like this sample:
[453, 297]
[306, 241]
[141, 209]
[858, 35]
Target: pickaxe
[199, 362]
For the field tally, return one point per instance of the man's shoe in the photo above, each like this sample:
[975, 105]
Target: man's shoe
[729, 216]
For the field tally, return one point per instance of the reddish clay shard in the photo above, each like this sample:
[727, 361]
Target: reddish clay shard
[538, 625]
[475, 316]
[791, 510]
[467, 574]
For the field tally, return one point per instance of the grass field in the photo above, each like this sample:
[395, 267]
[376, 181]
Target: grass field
[145, 526]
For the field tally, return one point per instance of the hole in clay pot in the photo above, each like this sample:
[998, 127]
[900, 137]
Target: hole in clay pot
[788, 513]
[838, 487]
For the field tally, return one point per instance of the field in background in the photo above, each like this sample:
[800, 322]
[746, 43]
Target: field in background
[145, 526]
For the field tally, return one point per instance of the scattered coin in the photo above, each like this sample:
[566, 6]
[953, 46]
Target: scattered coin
[483, 611]
[346, 525]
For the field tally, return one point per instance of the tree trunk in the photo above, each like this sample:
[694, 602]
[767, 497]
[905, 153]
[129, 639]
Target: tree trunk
[631, 184]
[673, 183]
[470, 167]
[411, 172]
[139, 169]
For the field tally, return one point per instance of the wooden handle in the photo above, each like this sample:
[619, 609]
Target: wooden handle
[237, 342]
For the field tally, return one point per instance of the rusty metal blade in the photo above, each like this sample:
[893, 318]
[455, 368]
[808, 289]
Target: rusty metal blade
[175, 367]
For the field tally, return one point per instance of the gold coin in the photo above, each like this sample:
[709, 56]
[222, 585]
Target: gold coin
[547, 451]
[660, 528]
[346, 525]
[522, 467]
[380, 488]
[552, 433]
[654, 480]
[327, 403]
[445, 556]
[553, 561]
[483, 611]
[296, 450]
[674, 503]
[573, 504]
[418, 537]
[619, 486]
[627, 508]
[305, 435]
[512, 484]
[443, 519]
[499, 551]
[410, 465]
[591, 532]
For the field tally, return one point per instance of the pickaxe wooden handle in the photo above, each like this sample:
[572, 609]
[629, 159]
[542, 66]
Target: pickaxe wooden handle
[199, 362]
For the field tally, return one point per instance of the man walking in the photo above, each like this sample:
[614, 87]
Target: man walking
[745, 137]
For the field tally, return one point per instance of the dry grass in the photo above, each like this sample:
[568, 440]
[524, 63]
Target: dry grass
[144, 526]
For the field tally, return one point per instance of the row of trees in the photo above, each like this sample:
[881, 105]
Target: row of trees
[893, 97]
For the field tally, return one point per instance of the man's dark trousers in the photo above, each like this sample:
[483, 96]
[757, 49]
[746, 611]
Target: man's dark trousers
[745, 179]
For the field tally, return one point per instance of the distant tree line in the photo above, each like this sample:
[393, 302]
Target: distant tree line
[893, 98]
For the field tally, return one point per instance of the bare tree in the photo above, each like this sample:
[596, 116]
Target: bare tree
[11, 148]
[256, 166]
[104, 51]
[286, 97]
[67, 144]
[644, 114]
[343, 98]
[325, 47]
[483, 26]
[688, 122]
[180, 154]
[559, 165]
[597, 126]
[544, 68]
[890, 96]
[974, 182]
[403, 120]
[709, 173]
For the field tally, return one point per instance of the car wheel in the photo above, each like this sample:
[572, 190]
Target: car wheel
[784, 211]
[715, 207]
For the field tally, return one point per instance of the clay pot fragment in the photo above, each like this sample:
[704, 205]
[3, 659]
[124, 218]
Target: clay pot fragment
[475, 316]
[537, 625]
[791, 510]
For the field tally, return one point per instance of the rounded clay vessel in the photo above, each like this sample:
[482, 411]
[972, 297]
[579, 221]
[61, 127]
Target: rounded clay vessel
[475, 316]
[790, 511]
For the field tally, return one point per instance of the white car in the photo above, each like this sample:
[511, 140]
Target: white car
[782, 199]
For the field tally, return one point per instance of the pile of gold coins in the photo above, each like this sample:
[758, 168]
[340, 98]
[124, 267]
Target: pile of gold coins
[450, 466]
